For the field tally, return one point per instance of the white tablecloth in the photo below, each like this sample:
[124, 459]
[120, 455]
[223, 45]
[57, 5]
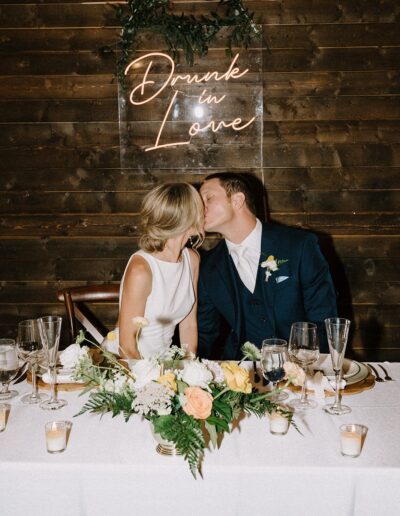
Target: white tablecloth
[111, 468]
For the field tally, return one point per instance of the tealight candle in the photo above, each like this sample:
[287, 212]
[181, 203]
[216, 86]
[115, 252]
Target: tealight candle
[351, 439]
[278, 424]
[56, 436]
[4, 410]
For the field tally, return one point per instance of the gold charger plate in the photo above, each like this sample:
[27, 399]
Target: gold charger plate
[363, 385]
[97, 359]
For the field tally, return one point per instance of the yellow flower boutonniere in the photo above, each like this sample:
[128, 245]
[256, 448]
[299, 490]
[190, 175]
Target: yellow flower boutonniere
[272, 265]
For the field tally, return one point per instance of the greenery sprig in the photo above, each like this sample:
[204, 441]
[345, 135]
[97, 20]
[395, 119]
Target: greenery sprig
[186, 33]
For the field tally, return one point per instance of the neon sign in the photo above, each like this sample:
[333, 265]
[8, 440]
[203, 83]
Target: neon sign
[140, 95]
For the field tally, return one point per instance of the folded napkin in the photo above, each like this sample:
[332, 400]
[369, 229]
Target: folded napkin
[321, 384]
[64, 375]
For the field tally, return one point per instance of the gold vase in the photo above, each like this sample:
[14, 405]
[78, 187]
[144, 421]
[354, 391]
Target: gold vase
[164, 447]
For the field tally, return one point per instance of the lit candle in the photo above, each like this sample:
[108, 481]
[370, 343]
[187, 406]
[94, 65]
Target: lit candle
[4, 409]
[278, 424]
[351, 439]
[56, 436]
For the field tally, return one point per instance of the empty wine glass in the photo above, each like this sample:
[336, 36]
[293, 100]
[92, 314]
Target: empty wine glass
[9, 367]
[337, 330]
[50, 331]
[30, 349]
[273, 356]
[304, 351]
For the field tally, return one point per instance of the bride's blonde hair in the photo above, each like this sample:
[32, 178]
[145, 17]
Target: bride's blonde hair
[170, 210]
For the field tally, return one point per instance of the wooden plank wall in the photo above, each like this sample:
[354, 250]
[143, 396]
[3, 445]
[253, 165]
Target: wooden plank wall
[68, 212]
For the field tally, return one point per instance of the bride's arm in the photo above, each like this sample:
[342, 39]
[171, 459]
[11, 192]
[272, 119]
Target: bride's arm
[136, 289]
[188, 327]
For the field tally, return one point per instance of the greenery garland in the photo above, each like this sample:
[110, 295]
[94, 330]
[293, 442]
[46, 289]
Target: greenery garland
[190, 34]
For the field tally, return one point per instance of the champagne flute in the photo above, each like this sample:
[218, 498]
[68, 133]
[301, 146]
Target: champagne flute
[273, 356]
[337, 330]
[304, 351]
[9, 367]
[30, 349]
[50, 330]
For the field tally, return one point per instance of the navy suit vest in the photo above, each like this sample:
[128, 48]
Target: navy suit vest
[255, 322]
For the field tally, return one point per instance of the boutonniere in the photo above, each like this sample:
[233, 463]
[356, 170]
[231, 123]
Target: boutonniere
[272, 265]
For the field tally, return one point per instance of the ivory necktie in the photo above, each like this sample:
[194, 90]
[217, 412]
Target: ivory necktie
[243, 267]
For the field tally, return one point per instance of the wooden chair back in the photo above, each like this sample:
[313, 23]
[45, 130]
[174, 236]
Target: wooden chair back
[75, 300]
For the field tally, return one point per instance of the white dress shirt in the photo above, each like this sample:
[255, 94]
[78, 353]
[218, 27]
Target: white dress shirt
[246, 256]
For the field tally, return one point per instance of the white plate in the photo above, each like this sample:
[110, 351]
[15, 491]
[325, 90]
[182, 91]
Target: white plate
[353, 371]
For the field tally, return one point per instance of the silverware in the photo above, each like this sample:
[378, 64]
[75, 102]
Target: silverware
[257, 378]
[387, 377]
[377, 377]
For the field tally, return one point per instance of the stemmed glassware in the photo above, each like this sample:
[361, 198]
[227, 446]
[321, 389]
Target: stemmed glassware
[273, 356]
[50, 331]
[30, 349]
[304, 351]
[337, 330]
[9, 367]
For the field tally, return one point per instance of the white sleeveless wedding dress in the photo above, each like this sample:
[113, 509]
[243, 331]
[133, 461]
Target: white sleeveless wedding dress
[170, 301]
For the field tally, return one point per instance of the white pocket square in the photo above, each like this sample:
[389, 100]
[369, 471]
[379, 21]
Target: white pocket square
[279, 279]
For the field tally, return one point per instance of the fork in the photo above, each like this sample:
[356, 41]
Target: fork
[387, 377]
[377, 377]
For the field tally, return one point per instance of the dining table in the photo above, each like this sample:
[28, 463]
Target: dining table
[110, 466]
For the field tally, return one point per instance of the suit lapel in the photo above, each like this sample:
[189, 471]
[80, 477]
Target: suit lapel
[269, 246]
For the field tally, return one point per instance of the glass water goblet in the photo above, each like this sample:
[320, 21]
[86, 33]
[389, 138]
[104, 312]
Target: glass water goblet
[50, 331]
[30, 349]
[337, 330]
[273, 356]
[304, 351]
[9, 367]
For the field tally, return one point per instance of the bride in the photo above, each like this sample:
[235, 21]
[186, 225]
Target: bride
[160, 280]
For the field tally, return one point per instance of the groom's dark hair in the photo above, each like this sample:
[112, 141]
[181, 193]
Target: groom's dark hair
[233, 183]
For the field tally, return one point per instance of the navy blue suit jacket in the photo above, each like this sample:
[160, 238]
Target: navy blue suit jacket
[306, 295]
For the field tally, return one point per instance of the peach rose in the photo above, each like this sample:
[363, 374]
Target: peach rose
[198, 403]
[294, 373]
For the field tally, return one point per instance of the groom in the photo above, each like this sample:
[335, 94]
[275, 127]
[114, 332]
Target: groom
[258, 280]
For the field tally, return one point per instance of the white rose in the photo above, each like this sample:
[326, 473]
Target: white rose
[196, 374]
[145, 371]
[72, 354]
[272, 265]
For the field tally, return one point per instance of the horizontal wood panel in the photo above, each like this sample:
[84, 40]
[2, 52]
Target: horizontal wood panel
[338, 155]
[103, 61]
[110, 225]
[59, 87]
[280, 36]
[73, 134]
[206, 156]
[291, 178]
[361, 273]
[364, 248]
[129, 202]
[331, 108]
[278, 12]
[275, 84]
[321, 84]
[275, 109]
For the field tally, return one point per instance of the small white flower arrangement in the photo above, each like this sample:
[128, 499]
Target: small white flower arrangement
[271, 264]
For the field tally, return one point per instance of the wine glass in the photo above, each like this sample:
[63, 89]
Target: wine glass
[273, 356]
[50, 330]
[304, 351]
[337, 330]
[9, 367]
[30, 349]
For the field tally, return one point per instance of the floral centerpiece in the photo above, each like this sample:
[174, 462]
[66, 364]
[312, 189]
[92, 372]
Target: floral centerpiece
[183, 399]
